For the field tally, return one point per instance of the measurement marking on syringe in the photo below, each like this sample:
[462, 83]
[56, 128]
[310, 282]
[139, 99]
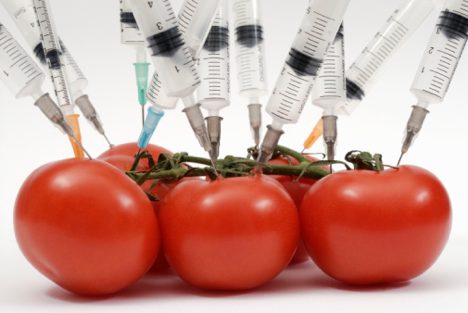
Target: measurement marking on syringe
[447, 54]
[441, 74]
[324, 16]
[464, 8]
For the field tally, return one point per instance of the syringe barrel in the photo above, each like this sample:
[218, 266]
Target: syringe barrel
[53, 54]
[330, 88]
[170, 55]
[215, 91]
[398, 28]
[195, 20]
[22, 13]
[442, 54]
[18, 70]
[318, 30]
[130, 34]
[250, 50]
[157, 96]
[76, 79]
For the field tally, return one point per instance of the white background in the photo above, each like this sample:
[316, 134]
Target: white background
[90, 29]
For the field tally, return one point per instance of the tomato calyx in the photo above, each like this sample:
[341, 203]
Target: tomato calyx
[362, 160]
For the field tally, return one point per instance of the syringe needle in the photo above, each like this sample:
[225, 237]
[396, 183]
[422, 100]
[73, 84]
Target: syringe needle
[81, 146]
[108, 141]
[401, 157]
[142, 115]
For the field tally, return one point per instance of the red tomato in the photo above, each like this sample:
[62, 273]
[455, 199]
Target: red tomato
[131, 149]
[122, 157]
[229, 234]
[86, 226]
[296, 189]
[367, 227]
[122, 162]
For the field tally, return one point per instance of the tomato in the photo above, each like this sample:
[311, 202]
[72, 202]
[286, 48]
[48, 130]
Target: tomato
[122, 162]
[131, 149]
[86, 226]
[229, 234]
[123, 156]
[367, 227]
[296, 189]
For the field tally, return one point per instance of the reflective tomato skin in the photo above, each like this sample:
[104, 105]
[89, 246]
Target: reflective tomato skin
[131, 149]
[123, 156]
[86, 226]
[366, 227]
[229, 234]
[296, 189]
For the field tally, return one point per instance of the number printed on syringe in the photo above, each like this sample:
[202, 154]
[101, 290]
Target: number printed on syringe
[393, 34]
[441, 57]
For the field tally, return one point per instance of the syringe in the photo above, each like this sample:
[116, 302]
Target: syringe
[195, 19]
[318, 30]
[331, 91]
[214, 92]
[53, 55]
[398, 28]
[438, 65]
[172, 60]
[194, 22]
[250, 56]
[24, 78]
[22, 13]
[131, 35]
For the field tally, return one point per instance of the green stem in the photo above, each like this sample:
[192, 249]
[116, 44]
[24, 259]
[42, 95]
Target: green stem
[192, 159]
[298, 156]
[303, 170]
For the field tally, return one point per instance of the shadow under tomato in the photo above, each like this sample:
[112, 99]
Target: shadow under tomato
[149, 287]
[300, 278]
[327, 282]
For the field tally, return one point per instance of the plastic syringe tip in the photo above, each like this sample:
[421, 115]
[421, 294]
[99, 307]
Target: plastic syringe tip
[141, 73]
[53, 113]
[214, 131]
[151, 123]
[197, 122]
[75, 140]
[90, 113]
[255, 118]
[269, 144]
[314, 135]
[413, 127]
[330, 134]
[256, 135]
